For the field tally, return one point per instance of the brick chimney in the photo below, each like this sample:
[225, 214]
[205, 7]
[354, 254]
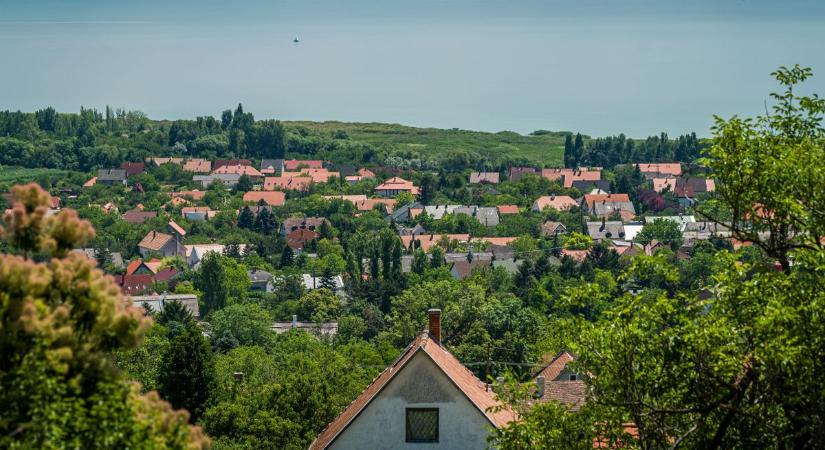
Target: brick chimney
[435, 324]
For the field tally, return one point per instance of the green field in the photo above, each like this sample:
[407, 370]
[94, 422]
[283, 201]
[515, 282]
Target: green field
[14, 175]
[546, 149]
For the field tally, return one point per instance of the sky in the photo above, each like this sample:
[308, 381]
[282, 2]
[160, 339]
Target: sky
[637, 67]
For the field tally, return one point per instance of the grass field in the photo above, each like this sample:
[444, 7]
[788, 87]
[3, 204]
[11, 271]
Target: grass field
[13, 175]
[546, 149]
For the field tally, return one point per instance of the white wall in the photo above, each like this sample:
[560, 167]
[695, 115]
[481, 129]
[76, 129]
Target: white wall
[381, 425]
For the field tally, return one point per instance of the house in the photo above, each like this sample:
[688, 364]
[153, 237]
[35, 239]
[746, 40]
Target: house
[606, 229]
[355, 198]
[371, 203]
[197, 213]
[302, 223]
[587, 186]
[238, 170]
[194, 254]
[662, 184]
[576, 255]
[682, 221]
[158, 161]
[259, 280]
[395, 186]
[271, 198]
[322, 329]
[425, 398]
[229, 180]
[311, 282]
[495, 240]
[157, 302]
[484, 177]
[138, 284]
[703, 231]
[436, 212]
[270, 166]
[296, 164]
[507, 209]
[91, 182]
[426, 241]
[557, 202]
[198, 165]
[111, 176]
[142, 267]
[194, 194]
[461, 270]
[288, 181]
[605, 205]
[631, 229]
[557, 382]
[516, 173]
[691, 187]
[137, 216]
[487, 216]
[404, 213]
[319, 175]
[365, 173]
[132, 168]
[91, 253]
[162, 243]
[551, 228]
[568, 176]
[653, 170]
[230, 162]
[296, 240]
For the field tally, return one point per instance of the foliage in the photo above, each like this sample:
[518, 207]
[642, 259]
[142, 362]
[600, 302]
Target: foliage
[663, 230]
[185, 375]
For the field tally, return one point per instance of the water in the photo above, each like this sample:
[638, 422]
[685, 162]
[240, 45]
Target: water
[637, 66]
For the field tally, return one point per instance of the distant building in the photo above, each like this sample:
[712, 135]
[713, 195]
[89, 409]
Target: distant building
[556, 381]
[158, 301]
[111, 176]
[516, 173]
[271, 198]
[395, 186]
[229, 180]
[259, 279]
[163, 244]
[133, 168]
[323, 329]
[557, 202]
[198, 165]
[484, 177]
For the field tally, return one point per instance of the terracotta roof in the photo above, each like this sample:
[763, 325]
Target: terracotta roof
[237, 170]
[660, 184]
[91, 182]
[271, 198]
[133, 266]
[198, 165]
[193, 194]
[137, 216]
[571, 175]
[496, 240]
[132, 168]
[230, 162]
[178, 201]
[365, 173]
[662, 168]
[155, 240]
[398, 184]
[370, 203]
[292, 181]
[475, 391]
[158, 161]
[507, 209]
[426, 241]
[516, 173]
[177, 228]
[591, 200]
[298, 238]
[484, 177]
[557, 202]
[293, 164]
[577, 255]
[355, 198]
[570, 393]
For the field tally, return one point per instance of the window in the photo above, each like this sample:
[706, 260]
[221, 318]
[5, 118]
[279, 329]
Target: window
[422, 424]
[572, 377]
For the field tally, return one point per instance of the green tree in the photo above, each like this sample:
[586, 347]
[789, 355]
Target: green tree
[246, 219]
[186, 371]
[244, 184]
[663, 230]
[244, 323]
[62, 319]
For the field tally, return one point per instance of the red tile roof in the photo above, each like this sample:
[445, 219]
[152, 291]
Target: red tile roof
[475, 391]
[291, 181]
[293, 164]
[230, 162]
[398, 184]
[198, 165]
[298, 238]
[484, 177]
[571, 175]
[132, 168]
[271, 198]
[557, 202]
[155, 240]
[507, 209]
[662, 168]
[426, 241]
[238, 170]
[177, 228]
[591, 200]
[570, 393]
[136, 216]
[193, 194]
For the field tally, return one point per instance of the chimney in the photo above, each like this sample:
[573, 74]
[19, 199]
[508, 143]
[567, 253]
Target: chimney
[435, 323]
[540, 386]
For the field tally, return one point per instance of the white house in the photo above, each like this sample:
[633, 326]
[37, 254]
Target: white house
[425, 399]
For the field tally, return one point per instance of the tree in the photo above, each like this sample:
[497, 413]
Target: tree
[318, 305]
[265, 222]
[246, 219]
[221, 279]
[62, 318]
[286, 257]
[663, 230]
[175, 312]
[569, 156]
[247, 323]
[186, 370]
[244, 184]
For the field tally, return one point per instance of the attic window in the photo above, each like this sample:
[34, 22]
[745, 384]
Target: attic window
[422, 424]
[571, 377]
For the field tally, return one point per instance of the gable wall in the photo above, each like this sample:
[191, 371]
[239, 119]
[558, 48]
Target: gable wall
[381, 425]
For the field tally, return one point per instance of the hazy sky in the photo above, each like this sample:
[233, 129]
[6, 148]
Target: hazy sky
[599, 67]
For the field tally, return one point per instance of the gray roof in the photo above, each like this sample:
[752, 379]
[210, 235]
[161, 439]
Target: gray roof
[157, 301]
[117, 258]
[608, 208]
[606, 230]
[587, 185]
[510, 265]
[258, 276]
[277, 164]
[111, 174]
[228, 179]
